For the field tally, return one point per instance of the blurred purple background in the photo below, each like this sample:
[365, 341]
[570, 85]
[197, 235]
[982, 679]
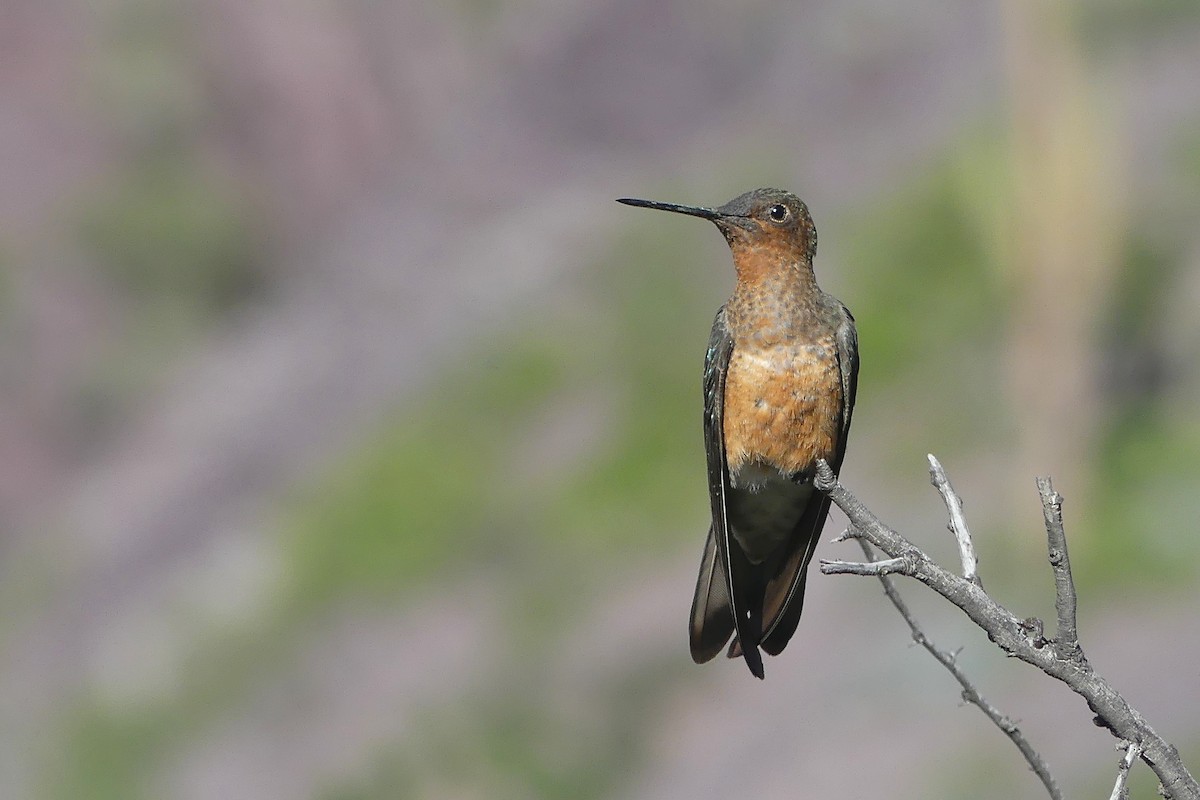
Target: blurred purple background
[349, 432]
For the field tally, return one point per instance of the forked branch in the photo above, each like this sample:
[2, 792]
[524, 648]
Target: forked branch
[970, 693]
[1021, 638]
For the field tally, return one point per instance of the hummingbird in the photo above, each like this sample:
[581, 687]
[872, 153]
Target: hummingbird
[780, 378]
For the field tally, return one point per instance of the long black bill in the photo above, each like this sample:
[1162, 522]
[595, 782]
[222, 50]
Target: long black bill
[695, 211]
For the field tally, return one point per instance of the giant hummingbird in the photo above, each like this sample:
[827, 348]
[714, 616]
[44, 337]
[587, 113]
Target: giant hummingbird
[780, 376]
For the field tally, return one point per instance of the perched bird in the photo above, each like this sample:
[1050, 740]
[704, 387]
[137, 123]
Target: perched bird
[780, 377]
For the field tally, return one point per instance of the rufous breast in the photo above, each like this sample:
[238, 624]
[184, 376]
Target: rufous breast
[782, 405]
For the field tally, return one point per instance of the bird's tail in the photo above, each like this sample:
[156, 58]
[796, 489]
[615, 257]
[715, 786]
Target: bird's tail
[712, 610]
[751, 592]
[713, 619]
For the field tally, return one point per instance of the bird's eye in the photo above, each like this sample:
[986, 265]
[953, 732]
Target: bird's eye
[778, 213]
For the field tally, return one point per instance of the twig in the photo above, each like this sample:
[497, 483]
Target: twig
[845, 535]
[878, 568]
[969, 691]
[1120, 790]
[958, 523]
[1014, 637]
[1066, 639]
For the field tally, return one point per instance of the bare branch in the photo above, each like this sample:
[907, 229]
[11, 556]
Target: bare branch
[1120, 790]
[970, 693]
[1066, 639]
[958, 523]
[1015, 637]
[879, 568]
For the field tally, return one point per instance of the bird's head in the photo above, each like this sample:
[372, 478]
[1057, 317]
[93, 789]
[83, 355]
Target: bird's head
[760, 220]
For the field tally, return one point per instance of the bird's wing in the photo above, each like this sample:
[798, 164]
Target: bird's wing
[715, 613]
[847, 341]
[784, 599]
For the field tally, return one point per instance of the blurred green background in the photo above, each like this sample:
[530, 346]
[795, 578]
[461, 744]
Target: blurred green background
[349, 432]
